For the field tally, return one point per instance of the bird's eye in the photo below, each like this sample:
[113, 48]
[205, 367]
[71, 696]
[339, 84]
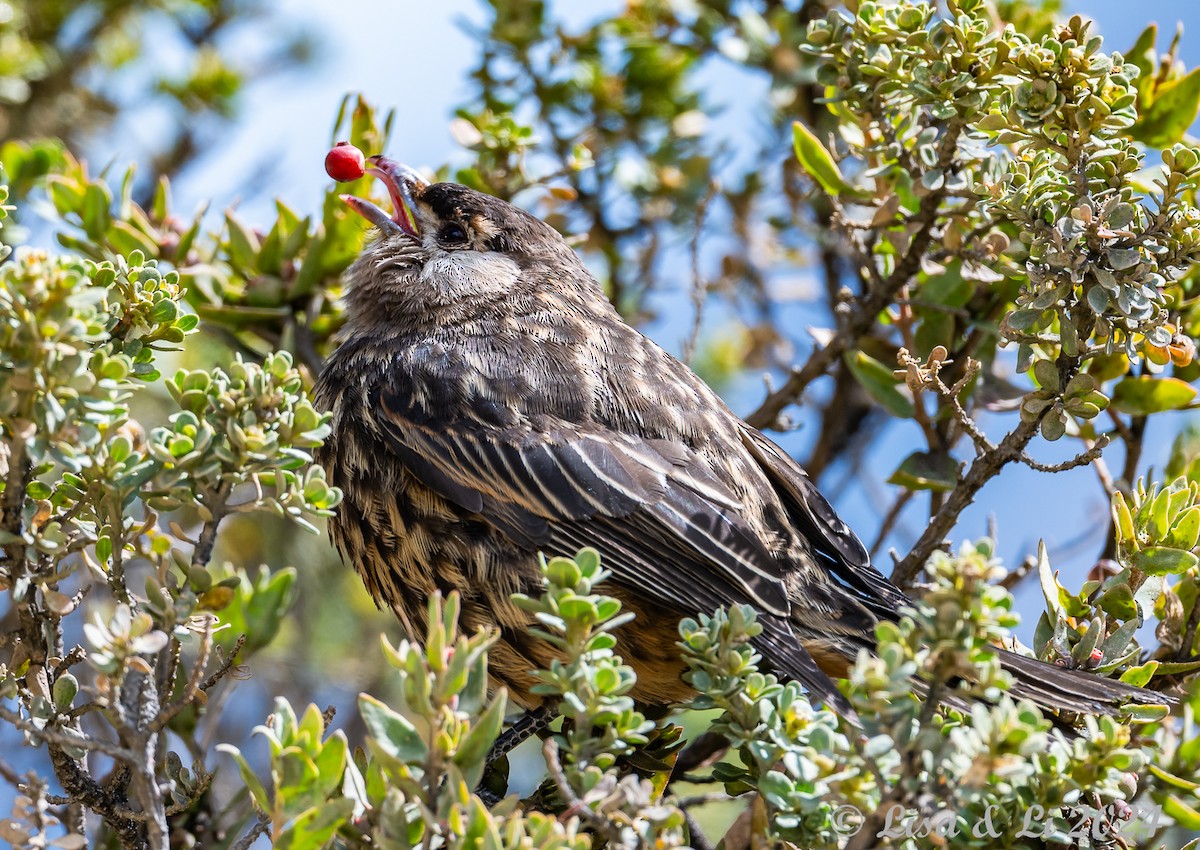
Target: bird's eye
[452, 233]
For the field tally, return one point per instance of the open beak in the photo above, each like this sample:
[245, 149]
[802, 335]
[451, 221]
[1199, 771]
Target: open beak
[403, 184]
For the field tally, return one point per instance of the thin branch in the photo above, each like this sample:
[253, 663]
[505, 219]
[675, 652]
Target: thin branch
[1016, 576]
[1082, 459]
[192, 689]
[260, 826]
[983, 469]
[10, 775]
[51, 735]
[699, 288]
[208, 534]
[576, 806]
[891, 518]
[703, 750]
[864, 316]
[226, 665]
[696, 837]
[920, 376]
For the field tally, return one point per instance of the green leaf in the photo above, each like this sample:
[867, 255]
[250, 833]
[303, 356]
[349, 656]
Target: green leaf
[1160, 560]
[1140, 676]
[65, 689]
[1186, 531]
[1145, 713]
[819, 165]
[1181, 813]
[331, 763]
[314, 827]
[472, 752]
[243, 243]
[257, 793]
[1172, 779]
[1143, 395]
[880, 383]
[776, 789]
[1143, 56]
[1185, 453]
[1170, 113]
[96, 201]
[392, 732]
[935, 471]
[1051, 589]
[1177, 668]
[126, 239]
[949, 289]
[1119, 602]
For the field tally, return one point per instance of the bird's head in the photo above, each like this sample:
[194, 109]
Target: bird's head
[447, 248]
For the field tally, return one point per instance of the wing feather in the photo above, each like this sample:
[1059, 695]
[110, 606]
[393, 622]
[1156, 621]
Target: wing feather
[843, 554]
[670, 529]
[677, 528]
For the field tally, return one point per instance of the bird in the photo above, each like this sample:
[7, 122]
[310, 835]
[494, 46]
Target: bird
[489, 404]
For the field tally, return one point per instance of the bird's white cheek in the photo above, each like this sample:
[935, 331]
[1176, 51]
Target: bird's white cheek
[469, 273]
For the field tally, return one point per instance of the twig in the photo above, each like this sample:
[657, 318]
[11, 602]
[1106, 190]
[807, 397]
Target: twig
[192, 689]
[699, 289]
[703, 799]
[982, 470]
[576, 806]
[75, 656]
[83, 790]
[9, 775]
[696, 837]
[51, 735]
[1082, 459]
[1017, 575]
[699, 752]
[1106, 479]
[890, 519]
[260, 826]
[203, 783]
[116, 571]
[226, 665]
[920, 375]
[873, 302]
[208, 535]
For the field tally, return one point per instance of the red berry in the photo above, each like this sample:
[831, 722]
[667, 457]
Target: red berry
[345, 162]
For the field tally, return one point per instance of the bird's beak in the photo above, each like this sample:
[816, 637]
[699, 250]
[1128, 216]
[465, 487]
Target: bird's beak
[403, 185]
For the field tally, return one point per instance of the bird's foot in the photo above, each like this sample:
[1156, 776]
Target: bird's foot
[532, 722]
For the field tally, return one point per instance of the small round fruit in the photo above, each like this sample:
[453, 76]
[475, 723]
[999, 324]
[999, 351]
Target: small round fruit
[345, 162]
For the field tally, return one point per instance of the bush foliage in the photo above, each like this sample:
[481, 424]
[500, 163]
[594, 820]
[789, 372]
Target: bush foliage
[1003, 216]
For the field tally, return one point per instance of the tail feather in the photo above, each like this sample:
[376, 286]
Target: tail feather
[788, 658]
[1077, 691]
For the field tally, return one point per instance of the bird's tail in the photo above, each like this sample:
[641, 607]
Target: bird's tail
[1078, 691]
[816, 661]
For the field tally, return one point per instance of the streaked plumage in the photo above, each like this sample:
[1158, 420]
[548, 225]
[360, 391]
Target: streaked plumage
[489, 403]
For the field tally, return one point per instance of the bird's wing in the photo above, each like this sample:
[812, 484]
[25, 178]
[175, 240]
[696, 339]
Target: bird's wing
[673, 528]
[839, 549]
[670, 531]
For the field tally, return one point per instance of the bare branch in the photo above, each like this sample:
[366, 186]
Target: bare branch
[1082, 459]
[50, 735]
[193, 687]
[226, 665]
[260, 827]
[862, 319]
[983, 469]
[699, 288]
